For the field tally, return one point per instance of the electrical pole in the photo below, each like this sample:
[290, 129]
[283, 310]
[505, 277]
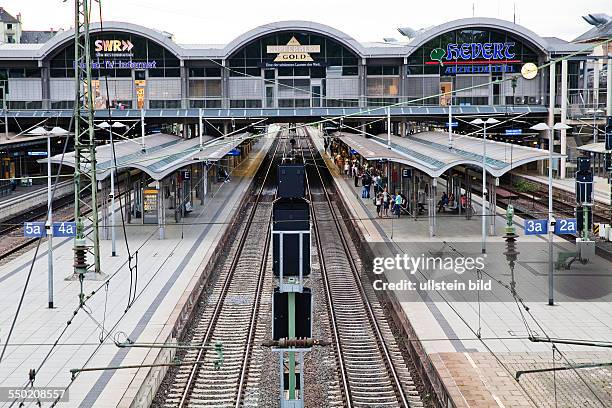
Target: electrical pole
[85, 183]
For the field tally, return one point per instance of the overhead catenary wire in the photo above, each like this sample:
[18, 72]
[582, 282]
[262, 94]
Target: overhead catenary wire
[528, 311]
[97, 290]
[399, 104]
[25, 288]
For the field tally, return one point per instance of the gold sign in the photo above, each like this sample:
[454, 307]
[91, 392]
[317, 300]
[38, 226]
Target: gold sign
[293, 51]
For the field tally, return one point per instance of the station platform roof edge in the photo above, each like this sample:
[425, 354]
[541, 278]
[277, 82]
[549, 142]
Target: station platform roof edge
[163, 154]
[260, 113]
[430, 152]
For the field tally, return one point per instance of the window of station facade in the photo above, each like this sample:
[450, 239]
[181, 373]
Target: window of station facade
[17, 73]
[128, 71]
[466, 61]
[205, 87]
[116, 55]
[382, 84]
[245, 103]
[299, 78]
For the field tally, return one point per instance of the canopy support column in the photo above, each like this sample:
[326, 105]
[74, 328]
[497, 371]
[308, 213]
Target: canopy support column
[128, 198]
[561, 171]
[105, 211]
[433, 188]
[493, 206]
[161, 211]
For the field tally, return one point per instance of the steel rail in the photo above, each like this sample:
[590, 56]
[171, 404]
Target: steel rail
[380, 338]
[330, 301]
[225, 287]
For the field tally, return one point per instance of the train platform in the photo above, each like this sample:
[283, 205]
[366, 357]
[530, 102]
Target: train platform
[601, 188]
[143, 305]
[473, 342]
[31, 196]
[20, 191]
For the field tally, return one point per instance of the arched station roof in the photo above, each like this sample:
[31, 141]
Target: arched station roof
[516, 30]
[224, 51]
[61, 39]
[295, 25]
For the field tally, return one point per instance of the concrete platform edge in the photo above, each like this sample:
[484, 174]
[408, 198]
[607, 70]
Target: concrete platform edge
[428, 369]
[145, 384]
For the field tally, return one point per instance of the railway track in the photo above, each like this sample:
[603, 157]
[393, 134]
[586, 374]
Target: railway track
[370, 365]
[32, 214]
[230, 315]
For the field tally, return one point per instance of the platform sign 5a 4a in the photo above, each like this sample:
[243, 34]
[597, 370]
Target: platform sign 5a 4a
[566, 226]
[536, 227]
[34, 229]
[64, 229]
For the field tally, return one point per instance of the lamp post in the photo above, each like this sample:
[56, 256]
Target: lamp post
[201, 128]
[56, 131]
[388, 128]
[4, 111]
[489, 121]
[106, 125]
[551, 146]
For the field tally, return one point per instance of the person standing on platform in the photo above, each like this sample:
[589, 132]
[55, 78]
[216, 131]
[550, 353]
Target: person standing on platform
[356, 174]
[346, 168]
[443, 202]
[398, 204]
[378, 202]
[377, 184]
[366, 180]
[386, 202]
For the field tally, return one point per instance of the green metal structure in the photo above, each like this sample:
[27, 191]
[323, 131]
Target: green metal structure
[85, 183]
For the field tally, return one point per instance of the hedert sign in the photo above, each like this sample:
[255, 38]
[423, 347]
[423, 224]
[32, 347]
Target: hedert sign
[475, 57]
[474, 53]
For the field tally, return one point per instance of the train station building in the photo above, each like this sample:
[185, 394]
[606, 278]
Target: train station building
[306, 71]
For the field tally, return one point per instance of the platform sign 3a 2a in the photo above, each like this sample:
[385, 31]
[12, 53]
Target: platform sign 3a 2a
[566, 226]
[536, 227]
[34, 229]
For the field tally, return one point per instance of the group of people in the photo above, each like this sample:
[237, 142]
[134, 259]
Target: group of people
[447, 201]
[396, 202]
[371, 179]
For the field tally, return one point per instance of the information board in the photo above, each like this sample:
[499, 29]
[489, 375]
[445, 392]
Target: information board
[536, 227]
[34, 229]
[150, 205]
[64, 229]
[566, 226]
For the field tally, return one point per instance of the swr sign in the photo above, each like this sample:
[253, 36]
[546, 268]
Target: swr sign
[113, 45]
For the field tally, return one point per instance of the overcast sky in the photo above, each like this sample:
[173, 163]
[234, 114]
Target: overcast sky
[204, 21]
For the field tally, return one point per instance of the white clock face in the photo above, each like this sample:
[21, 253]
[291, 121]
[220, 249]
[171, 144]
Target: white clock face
[529, 70]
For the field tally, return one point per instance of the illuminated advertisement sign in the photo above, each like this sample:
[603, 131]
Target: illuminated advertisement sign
[120, 65]
[293, 54]
[113, 48]
[475, 58]
[478, 69]
[474, 53]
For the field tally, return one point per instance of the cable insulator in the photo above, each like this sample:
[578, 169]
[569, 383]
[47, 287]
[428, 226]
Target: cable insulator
[80, 256]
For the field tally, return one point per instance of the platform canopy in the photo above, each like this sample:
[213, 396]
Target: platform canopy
[163, 153]
[430, 153]
[599, 147]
